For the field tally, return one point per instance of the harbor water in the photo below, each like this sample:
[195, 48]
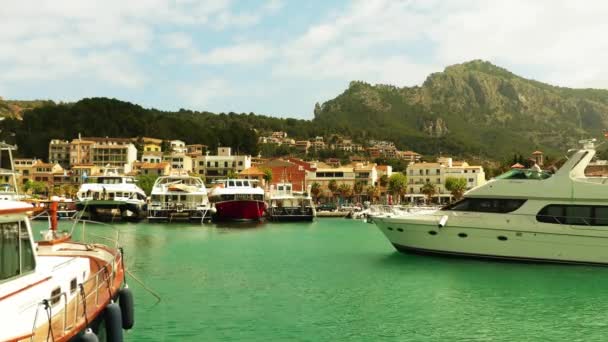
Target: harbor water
[338, 279]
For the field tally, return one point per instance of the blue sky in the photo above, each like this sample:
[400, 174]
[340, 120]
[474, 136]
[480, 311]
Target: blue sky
[279, 57]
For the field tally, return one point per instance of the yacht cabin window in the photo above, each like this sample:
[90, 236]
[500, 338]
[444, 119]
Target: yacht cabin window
[524, 174]
[580, 215]
[231, 183]
[239, 183]
[486, 205]
[16, 254]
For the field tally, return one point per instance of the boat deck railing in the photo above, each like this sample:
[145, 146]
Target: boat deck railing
[81, 301]
[177, 206]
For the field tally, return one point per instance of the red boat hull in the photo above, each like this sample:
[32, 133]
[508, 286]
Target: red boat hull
[240, 210]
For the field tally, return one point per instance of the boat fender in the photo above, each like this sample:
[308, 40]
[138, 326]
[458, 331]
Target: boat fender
[443, 221]
[113, 320]
[127, 307]
[88, 336]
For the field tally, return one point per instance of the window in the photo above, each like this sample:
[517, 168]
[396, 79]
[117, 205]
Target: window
[16, 254]
[241, 163]
[580, 215]
[437, 171]
[471, 180]
[486, 205]
[438, 180]
[225, 164]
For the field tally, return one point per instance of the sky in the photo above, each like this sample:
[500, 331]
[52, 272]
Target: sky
[280, 57]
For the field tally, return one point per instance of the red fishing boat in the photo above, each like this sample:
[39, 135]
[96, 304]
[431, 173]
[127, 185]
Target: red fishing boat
[238, 200]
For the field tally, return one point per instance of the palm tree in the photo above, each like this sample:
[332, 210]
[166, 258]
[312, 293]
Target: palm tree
[429, 190]
[332, 186]
[456, 186]
[397, 185]
[231, 174]
[267, 176]
[315, 190]
[358, 189]
[344, 190]
[383, 180]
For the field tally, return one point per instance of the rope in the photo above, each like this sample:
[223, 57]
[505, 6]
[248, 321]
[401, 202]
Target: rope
[84, 304]
[144, 286]
[49, 314]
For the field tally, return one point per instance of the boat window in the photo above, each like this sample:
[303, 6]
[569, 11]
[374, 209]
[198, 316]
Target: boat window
[486, 205]
[580, 215]
[524, 174]
[16, 254]
[280, 188]
[231, 183]
[238, 183]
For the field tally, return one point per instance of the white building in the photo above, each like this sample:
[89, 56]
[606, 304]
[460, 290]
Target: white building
[215, 167]
[179, 161]
[436, 173]
[178, 146]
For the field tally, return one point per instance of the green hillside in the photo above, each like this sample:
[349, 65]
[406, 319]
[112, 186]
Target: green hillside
[471, 108]
[474, 109]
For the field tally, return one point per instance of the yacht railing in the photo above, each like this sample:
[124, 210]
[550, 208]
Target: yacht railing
[177, 206]
[84, 300]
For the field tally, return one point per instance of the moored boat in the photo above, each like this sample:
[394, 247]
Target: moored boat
[238, 200]
[286, 205]
[523, 215]
[179, 196]
[112, 195]
[58, 289]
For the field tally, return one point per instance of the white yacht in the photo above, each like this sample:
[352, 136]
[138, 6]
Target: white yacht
[179, 196]
[287, 205]
[111, 195]
[522, 214]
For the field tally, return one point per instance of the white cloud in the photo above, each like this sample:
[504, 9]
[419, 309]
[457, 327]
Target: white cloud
[242, 53]
[199, 95]
[373, 40]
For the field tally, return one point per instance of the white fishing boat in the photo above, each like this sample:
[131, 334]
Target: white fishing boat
[286, 205]
[179, 196]
[112, 195]
[522, 214]
[58, 289]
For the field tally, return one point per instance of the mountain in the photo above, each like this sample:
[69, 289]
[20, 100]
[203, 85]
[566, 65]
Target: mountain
[471, 109]
[14, 109]
[474, 109]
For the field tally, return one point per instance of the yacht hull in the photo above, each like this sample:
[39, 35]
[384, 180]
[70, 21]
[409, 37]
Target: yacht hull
[110, 209]
[541, 245]
[240, 210]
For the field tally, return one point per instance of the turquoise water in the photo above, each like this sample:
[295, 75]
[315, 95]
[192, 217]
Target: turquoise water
[338, 279]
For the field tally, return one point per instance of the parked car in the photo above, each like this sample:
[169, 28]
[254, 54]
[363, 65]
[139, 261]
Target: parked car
[327, 207]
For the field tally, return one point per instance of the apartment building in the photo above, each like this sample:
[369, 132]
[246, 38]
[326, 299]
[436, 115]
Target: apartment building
[215, 167]
[436, 173]
[179, 161]
[59, 152]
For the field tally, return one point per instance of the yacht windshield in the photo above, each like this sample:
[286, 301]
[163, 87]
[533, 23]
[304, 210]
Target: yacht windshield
[524, 174]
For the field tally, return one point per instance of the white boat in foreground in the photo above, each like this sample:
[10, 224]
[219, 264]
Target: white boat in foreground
[179, 197]
[522, 214]
[58, 289]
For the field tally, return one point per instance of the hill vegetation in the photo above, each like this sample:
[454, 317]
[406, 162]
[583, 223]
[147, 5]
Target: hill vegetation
[474, 110]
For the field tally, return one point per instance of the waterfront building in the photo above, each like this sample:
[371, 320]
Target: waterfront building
[292, 171]
[365, 173]
[178, 146]
[195, 150]
[80, 151]
[43, 172]
[24, 168]
[152, 157]
[324, 174]
[179, 161]
[154, 169]
[81, 172]
[436, 173]
[254, 173]
[59, 152]
[215, 167]
[114, 155]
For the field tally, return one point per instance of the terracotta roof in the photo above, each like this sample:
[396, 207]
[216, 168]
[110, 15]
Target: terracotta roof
[41, 164]
[252, 171]
[410, 153]
[78, 166]
[517, 166]
[382, 167]
[537, 152]
[99, 139]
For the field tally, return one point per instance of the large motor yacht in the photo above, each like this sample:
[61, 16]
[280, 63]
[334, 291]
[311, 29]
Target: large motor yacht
[58, 289]
[287, 205]
[179, 196]
[112, 195]
[522, 214]
[238, 200]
